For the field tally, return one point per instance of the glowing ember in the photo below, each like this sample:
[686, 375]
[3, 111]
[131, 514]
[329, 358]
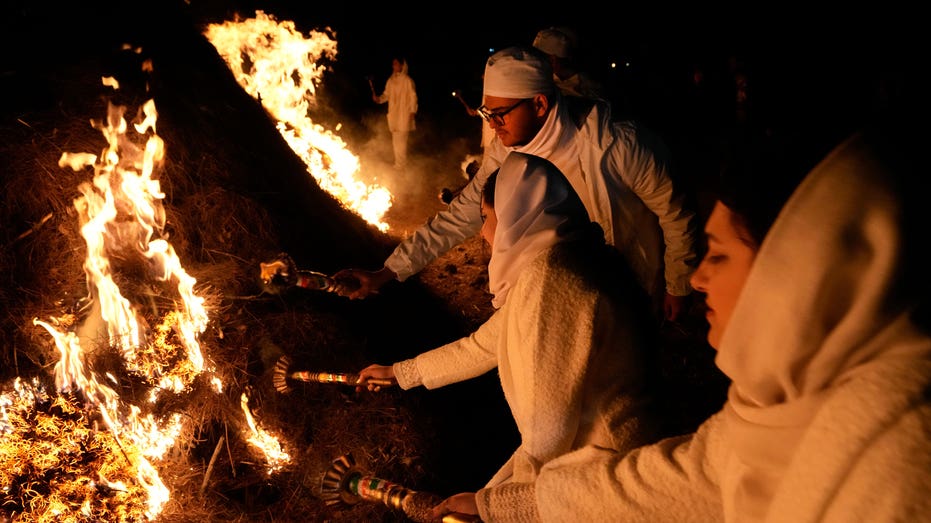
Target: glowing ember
[47, 447]
[276, 64]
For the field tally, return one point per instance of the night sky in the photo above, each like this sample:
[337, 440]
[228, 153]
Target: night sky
[797, 53]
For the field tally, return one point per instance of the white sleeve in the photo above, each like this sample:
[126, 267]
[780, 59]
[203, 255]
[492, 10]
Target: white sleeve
[675, 480]
[463, 359]
[644, 163]
[450, 227]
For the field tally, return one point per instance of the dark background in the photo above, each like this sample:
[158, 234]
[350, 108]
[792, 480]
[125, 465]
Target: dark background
[838, 59]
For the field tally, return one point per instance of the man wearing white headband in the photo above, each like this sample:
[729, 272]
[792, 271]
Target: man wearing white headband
[619, 170]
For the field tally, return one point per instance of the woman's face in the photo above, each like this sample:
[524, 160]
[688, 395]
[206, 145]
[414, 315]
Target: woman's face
[489, 223]
[724, 269]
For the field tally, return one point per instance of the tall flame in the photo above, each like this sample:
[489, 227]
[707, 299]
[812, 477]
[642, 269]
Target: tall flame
[276, 64]
[122, 220]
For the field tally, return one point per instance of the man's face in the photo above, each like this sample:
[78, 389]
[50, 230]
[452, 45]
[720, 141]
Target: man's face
[520, 118]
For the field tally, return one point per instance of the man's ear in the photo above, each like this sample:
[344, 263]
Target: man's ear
[541, 104]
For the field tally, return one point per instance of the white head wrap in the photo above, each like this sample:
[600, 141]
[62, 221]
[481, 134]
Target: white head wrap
[557, 41]
[536, 208]
[825, 300]
[518, 72]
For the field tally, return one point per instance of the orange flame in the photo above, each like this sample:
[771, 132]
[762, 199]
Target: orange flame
[281, 71]
[265, 442]
[120, 213]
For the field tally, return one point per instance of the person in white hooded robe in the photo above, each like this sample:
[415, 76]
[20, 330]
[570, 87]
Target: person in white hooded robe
[824, 330]
[400, 94]
[620, 171]
[571, 337]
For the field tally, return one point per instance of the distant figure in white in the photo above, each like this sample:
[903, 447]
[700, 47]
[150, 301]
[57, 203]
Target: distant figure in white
[401, 96]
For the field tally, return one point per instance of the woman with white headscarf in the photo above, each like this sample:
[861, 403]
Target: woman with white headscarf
[571, 334]
[824, 330]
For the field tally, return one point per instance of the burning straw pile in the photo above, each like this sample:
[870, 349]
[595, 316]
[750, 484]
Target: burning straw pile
[138, 342]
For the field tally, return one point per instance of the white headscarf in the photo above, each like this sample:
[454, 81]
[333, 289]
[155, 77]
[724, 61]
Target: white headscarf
[824, 300]
[518, 72]
[536, 209]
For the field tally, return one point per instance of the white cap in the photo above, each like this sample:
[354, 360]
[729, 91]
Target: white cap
[557, 41]
[518, 72]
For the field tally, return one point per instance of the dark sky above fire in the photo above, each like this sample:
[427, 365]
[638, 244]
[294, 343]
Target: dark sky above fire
[799, 52]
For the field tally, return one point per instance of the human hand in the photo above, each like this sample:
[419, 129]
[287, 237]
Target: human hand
[463, 503]
[356, 284]
[374, 376]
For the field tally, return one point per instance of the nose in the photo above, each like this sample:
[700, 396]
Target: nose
[699, 278]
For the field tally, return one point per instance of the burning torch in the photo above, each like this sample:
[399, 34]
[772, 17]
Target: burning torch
[346, 484]
[283, 373]
[371, 86]
[281, 274]
[458, 95]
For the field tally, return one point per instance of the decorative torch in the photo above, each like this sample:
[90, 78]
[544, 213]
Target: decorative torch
[345, 484]
[283, 373]
[281, 274]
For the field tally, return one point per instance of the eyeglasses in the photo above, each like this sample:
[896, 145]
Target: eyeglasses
[498, 116]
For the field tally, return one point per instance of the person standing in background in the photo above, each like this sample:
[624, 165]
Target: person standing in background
[562, 47]
[401, 96]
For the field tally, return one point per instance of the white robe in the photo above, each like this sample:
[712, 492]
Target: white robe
[572, 380]
[570, 338]
[401, 96]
